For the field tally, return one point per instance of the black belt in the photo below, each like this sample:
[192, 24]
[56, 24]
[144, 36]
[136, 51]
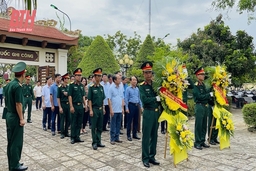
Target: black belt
[96, 107]
[154, 109]
[135, 104]
[27, 96]
[65, 102]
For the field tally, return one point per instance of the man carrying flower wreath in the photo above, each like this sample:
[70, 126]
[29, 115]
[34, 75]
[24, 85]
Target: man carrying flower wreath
[150, 102]
[201, 96]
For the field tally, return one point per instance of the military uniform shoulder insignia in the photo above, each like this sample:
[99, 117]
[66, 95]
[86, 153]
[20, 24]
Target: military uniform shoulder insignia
[196, 83]
[142, 83]
[60, 85]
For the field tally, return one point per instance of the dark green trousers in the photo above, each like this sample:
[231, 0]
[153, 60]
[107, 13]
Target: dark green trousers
[64, 118]
[76, 121]
[28, 102]
[201, 112]
[15, 139]
[149, 134]
[214, 131]
[96, 125]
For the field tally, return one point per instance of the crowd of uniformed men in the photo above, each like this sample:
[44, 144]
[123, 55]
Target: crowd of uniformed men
[104, 100]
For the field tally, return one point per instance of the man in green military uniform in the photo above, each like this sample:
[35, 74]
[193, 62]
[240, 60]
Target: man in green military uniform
[95, 97]
[28, 97]
[14, 117]
[64, 109]
[5, 107]
[201, 97]
[150, 102]
[76, 98]
[211, 123]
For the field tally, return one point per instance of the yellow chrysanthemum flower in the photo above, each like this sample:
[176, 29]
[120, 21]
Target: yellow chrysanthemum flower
[179, 127]
[183, 134]
[228, 126]
[224, 122]
[171, 78]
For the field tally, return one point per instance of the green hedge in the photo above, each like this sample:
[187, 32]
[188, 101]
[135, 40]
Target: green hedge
[249, 114]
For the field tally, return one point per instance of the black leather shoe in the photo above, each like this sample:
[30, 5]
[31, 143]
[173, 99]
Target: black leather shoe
[29, 121]
[94, 146]
[79, 140]
[205, 145]
[146, 164]
[212, 142]
[53, 134]
[100, 145]
[129, 138]
[216, 141]
[154, 162]
[67, 135]
[21, 168]
[121, 133]
[44, 129]
[72, 141]
[136, 137]
[21, 164]
[162, 132]
[198, 147]
[62, 136]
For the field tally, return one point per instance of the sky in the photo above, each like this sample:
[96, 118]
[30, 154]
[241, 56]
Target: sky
[179, 18]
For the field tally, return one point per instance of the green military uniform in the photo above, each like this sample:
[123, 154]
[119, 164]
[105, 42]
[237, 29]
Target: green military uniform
[150, 119]
[76, 91]
[214, 133]
[13, 95]
[96, 95]
[65, 116]
[201, 96]
[28, 97]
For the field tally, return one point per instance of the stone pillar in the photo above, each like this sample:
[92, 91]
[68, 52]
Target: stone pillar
[62, 61]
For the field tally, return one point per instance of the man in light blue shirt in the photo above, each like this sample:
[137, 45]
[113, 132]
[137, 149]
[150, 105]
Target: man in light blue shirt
[46, 103]
[1, 95]
[132, 108]
[106, 86]
[116, 106]
[54, 104]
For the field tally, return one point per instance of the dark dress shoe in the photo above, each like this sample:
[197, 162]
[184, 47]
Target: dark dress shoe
[72, 141]
[79, 140]
[163, 132]
[67, 135]
[21, 164]
[212, 142]
[44, 129]
[136, 137]
[29, 121]
[146, 164]
[205, 145]
[100, 145]
[62, 136]
[121, 133]
[198, 147]
[21, 168]
[129, 139]
[118, 141]
[53, 134]
[216, 141]
[94, 146]
[154, 162]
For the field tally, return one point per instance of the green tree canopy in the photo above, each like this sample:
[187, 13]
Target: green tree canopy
[99, 55]
[215, 43]
[147, 49]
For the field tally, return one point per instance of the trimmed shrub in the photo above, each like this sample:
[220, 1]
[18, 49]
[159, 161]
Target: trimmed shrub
[249, 114]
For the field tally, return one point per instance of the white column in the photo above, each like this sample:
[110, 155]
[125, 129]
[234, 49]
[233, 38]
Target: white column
[62, 61]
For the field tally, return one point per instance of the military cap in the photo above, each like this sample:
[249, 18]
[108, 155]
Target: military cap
[97, 71]
[78, 71]
[200, 70]
[147, 66]
[27, 77]
[65, 76]
[19, 68]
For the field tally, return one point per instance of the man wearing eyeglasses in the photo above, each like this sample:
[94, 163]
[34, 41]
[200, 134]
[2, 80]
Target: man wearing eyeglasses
[76, 98]
[201, 97]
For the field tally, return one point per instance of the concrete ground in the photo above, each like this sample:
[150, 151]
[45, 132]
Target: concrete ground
[44, 152]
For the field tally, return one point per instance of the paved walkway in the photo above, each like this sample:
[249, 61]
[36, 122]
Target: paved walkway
[44, 152]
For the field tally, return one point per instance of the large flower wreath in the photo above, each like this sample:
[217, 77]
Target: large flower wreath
[220, 81]
[170, 82]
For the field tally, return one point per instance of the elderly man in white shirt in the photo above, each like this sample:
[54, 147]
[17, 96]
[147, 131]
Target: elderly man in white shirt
[38, 95]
